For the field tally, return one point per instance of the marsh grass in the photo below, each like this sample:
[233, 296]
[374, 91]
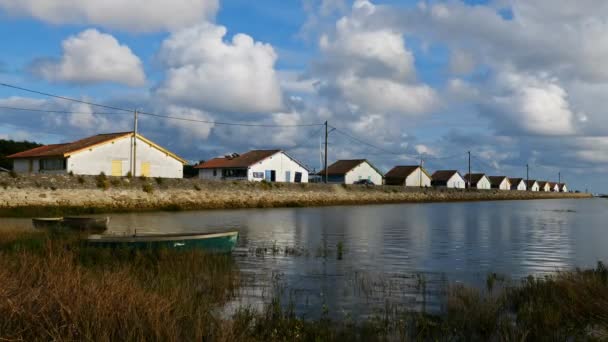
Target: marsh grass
[55, 288]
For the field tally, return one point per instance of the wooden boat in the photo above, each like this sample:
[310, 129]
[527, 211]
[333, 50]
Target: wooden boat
[47, 222]
[85, 224]
[214, 242]
[88, 224]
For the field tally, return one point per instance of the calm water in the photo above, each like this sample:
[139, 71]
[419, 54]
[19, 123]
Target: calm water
[395, 255]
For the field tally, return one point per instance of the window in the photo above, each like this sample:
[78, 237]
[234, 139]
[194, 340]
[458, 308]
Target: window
[234, 173]
[52, 164]
[258, 175]
[214, 172]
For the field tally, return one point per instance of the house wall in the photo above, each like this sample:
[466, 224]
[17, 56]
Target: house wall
[564, 188]
[363, 171]
[521, 186]
[535, 187]
[99, 159]
[484, 184]
[23, 166]
[208, 174]
[505, 185]
[456, 182]
[418, 179]
[545, 188]
[281, 164]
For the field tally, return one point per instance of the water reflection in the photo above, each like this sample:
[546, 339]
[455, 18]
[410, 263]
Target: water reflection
[396, 255]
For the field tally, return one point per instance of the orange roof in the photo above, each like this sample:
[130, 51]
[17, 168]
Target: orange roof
[65, 150]
[243, 160]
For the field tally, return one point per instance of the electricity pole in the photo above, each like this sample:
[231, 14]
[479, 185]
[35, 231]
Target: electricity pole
[469, 178]
[326, 135]
[527, 177]
[134, 161]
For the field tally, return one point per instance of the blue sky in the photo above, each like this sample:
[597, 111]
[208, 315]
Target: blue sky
[516, 82]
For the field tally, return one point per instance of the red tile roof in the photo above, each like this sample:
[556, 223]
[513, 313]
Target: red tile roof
[60, 150]
[241, 161]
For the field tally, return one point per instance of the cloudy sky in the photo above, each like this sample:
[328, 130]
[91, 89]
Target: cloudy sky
[515, 82]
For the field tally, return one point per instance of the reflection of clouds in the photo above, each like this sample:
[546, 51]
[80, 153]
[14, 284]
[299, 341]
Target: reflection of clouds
[389, 247]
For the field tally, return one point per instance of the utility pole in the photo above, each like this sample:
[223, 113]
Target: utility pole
[527, 177]
[326, 135]
[559, 178]
[469, 178]
[420, 173]
[134, 161]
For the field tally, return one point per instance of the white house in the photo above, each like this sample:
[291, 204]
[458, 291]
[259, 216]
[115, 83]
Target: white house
[478, 181]
[500, 182]
[110, 153]
[350, 171]
[408, 176]
[553, 187]
[256, 165]
[518, 184]
[563, 187]
[532, 185]
[447, 179]
[544, 186]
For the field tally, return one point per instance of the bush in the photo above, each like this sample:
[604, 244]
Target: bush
[4, 185]
[196, 187]
[148, 188]
[13, 174]
[159, 180]
[80, 180]
[142, 177]
[129, 174]
[103, 183]
[71, 173]
[115, 182]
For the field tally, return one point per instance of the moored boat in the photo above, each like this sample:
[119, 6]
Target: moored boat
[88, 224]
[47, 222]
[210, 242]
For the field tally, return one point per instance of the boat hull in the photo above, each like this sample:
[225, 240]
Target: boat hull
[214, 243]
[47, 223]
[87, 224]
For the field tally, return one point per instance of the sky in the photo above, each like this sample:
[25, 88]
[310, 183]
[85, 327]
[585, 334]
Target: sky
[516, 82]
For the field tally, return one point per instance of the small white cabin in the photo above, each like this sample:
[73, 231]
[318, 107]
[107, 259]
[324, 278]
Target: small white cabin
[544, 186]
[450, 179]
[414, 176]
[533, 185]
[351, 171]
[256, 165]
[518, 184]
[500, 182]
[563, 187]
[478, 181]
[110, 153]
[553, 187]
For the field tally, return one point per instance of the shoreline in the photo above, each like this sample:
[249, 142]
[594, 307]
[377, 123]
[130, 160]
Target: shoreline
[59, 195]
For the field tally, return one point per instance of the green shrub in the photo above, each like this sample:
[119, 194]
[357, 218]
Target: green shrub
[115, 181]
[159, 180]
[148, 188]
[102, 183]
[71, 173]
[129, 174]
[80, 179]
[196, 187]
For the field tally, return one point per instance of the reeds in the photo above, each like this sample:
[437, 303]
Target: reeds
[55, 288]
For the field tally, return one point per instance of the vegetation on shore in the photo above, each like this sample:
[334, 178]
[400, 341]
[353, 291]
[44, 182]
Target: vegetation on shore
[54, 288]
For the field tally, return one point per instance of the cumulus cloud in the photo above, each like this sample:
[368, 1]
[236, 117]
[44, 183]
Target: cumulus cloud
[190, 131]
[536, 105]
[93, 57]
[207, 72]
[370, 67]
[132, 15]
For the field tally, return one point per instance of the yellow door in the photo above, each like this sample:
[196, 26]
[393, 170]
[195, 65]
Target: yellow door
[117, 168]
[145, 169]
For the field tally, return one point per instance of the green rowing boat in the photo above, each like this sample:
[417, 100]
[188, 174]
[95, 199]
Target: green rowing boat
[214, 242]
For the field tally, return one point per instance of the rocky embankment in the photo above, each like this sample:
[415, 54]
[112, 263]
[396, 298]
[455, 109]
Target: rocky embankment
[40, 195]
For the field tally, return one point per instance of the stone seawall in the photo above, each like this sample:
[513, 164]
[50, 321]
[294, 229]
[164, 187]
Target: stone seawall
[60, 195]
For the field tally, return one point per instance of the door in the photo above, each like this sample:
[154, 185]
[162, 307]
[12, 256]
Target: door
[30, 166]
[298, 177]
[273, 176]
[117, 168]
[145, 169]
[288, 176]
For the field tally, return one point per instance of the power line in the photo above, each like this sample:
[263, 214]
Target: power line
[65, 98]
[154, 114]
[369, 144]
[315, 133]
[57, 111]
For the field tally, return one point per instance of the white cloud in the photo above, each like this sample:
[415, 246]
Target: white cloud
[292, 81]
[92, 57]
[534, 104]
[190, 131]
[369, 67]
[228, 76]
[131, 15]
[461, 62]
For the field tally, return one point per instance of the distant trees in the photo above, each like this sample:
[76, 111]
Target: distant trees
[8, 147]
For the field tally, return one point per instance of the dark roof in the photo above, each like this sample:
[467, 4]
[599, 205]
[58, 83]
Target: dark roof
[475, 177]
[515, 180]
[240, 161]
[542, 183]
[530, 183]
[496, 180]
[341, 167]
[443, 175]
[403, 171]
[61, 150]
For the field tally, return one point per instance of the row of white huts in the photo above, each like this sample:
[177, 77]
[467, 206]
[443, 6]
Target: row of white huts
[116, 154]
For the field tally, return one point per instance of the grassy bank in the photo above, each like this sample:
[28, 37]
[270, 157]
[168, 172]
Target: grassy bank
[46, 195]
[53, 288]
